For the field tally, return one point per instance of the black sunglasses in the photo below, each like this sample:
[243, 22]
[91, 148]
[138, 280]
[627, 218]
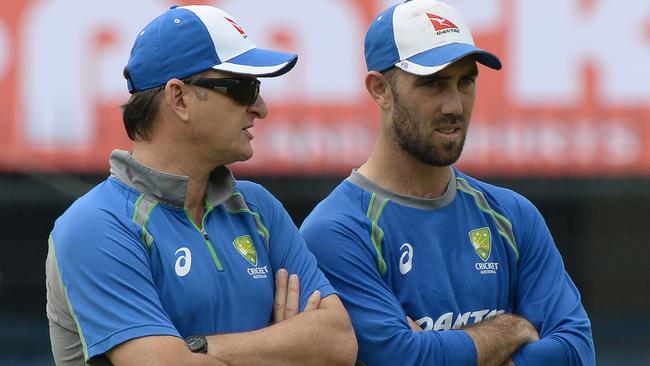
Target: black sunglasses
[243, 90]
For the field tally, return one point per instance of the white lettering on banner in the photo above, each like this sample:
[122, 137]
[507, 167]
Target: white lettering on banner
[612, 143]
[5, 52]
[481, 16]
[310, 143]
[66, 71]
[551, 42]
[622, 145]
[328, 36]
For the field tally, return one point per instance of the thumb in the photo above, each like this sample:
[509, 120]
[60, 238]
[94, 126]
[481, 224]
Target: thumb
[314, 301]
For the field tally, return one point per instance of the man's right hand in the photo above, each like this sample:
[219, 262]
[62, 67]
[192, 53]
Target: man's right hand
[237, 348]
[413, 325]
[287, 296]
[498, 338]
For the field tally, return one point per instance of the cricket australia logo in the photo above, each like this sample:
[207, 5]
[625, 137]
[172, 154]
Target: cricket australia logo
[481, 240]
[245, 247]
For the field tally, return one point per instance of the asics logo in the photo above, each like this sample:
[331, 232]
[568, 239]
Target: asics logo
[406, 259]
[184, 262]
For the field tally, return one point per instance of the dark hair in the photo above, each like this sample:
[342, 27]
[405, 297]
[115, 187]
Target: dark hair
[139, 112]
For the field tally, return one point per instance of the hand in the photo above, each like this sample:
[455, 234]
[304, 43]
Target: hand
[413, 325]
[533, 334]
[287, 297]
[498, 338]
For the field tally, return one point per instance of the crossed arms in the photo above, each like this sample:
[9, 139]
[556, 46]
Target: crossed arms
[551, 326]
[112, 294]
[320, 335]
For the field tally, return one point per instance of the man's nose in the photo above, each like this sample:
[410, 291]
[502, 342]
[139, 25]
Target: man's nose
[259, 108]
[452, 102]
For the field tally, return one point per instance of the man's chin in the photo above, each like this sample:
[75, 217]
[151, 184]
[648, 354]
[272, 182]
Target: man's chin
[440, 158]
[245, 156]
[242, 157]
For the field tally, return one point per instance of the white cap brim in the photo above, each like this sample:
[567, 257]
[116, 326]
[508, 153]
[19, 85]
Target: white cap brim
[436, 59]
[260, 62]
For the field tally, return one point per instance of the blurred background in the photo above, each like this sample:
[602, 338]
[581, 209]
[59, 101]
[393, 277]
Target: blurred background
[566, 123]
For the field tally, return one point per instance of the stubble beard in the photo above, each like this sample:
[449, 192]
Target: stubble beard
[420, 146]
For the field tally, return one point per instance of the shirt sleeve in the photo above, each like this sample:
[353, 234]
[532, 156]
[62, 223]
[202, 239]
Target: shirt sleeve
[107, 280]
[287, 250]
[546, 296]
[379, 321]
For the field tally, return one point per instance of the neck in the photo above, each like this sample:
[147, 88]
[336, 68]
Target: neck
[394, 169]
[166, 159]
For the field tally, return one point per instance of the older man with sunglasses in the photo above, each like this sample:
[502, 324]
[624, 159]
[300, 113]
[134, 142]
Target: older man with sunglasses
[171, 261]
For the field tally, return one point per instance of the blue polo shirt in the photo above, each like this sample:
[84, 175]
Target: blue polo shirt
[450, 262]
[131, 262]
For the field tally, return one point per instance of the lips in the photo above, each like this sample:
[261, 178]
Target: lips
[248, 133]
[453, 132]
[448, 130]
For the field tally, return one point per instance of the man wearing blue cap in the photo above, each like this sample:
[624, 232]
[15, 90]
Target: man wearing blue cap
[171, 261]
[411, 243]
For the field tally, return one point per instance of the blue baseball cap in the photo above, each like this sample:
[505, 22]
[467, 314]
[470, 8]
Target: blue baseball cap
[421, 37]
[191, 39]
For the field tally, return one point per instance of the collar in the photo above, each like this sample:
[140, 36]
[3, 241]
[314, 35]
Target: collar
[168, 188]
[406, 200]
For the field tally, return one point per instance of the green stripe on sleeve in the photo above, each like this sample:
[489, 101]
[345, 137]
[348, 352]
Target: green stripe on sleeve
[376, 233]
[504, 226]
[141, 214]
[236, 205]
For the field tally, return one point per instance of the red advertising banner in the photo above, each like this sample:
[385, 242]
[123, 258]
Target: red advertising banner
[573, 98]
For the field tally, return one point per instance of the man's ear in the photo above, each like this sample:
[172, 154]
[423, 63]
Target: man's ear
[176, 98]
[379, 89]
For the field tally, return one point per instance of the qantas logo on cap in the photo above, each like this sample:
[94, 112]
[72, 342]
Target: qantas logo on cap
[238, 27]
[442, 25]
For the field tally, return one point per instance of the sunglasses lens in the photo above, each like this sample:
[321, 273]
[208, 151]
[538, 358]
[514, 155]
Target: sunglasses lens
[246, 93]
[243, 91]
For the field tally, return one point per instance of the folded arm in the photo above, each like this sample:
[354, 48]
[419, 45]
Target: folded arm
[380, 322]
[496, 339]
[547, 297]
[159, 351]
[321, 335]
